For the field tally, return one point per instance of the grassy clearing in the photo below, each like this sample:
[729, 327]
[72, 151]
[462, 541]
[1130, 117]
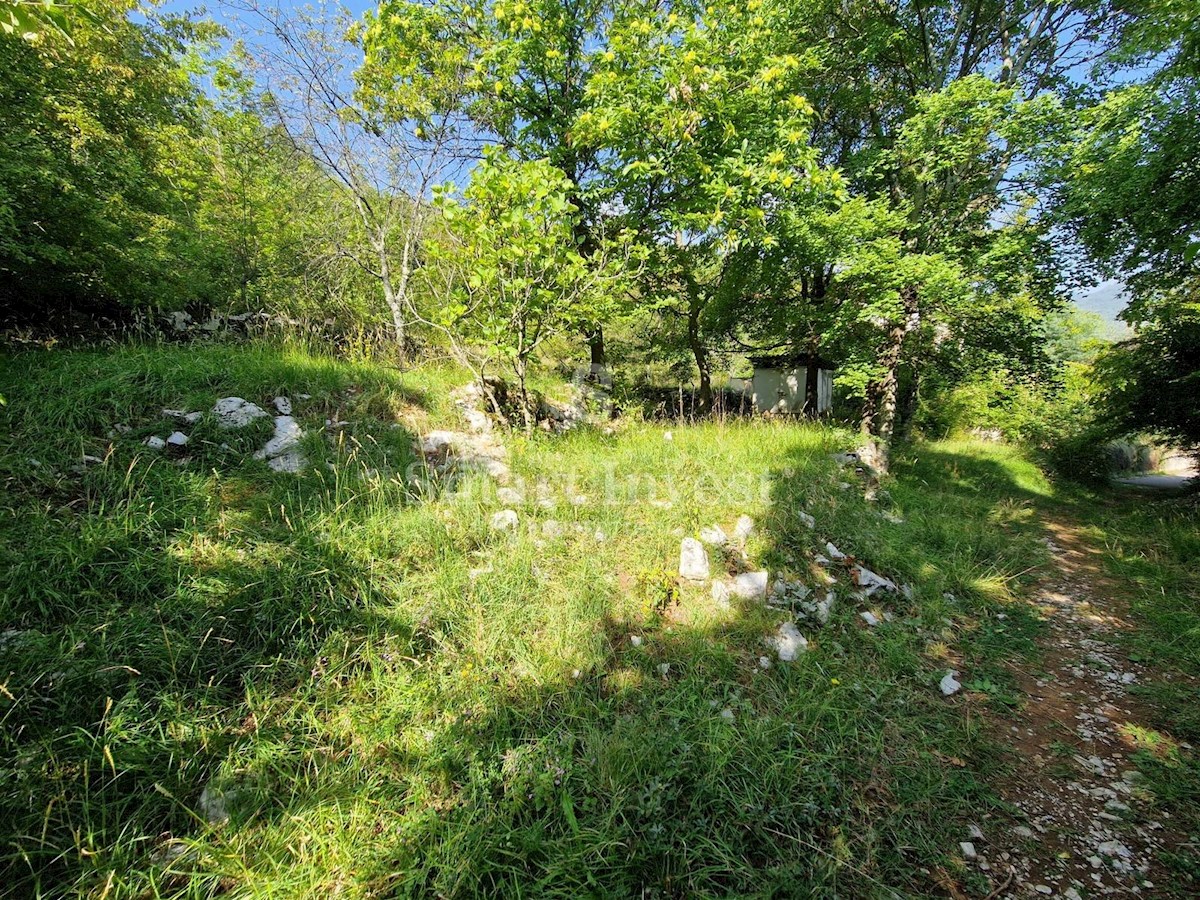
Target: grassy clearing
[395, 700]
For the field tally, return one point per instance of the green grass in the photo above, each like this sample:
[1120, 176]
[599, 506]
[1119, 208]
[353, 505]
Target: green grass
[398, 701]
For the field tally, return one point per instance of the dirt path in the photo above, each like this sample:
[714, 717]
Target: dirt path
[1087, 831]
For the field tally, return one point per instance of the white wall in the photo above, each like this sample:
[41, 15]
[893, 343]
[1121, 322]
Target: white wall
[783, 390]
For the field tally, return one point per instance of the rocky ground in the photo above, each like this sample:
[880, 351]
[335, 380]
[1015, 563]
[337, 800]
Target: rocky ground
[1089, 830]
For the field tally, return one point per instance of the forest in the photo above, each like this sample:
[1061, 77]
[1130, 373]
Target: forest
[418, 420]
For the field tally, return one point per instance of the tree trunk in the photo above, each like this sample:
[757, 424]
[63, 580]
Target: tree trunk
[879, 415]
[908, 402]
[520, 369]
[700, 352]
[395, 294]
[812, 398]
[595, 341]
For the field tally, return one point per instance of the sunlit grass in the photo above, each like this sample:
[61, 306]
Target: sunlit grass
[397, 700]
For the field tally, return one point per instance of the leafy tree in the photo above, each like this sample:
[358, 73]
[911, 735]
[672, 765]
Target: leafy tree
[100, 169]
[524, 278]
[383, 154]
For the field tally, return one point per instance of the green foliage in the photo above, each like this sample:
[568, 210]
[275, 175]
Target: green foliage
[100, 167]
[524, 279]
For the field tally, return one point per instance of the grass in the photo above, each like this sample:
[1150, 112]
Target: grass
[394, 700]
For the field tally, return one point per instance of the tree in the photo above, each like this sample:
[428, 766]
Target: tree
[100, 169]
[384, 154]
[525, 278]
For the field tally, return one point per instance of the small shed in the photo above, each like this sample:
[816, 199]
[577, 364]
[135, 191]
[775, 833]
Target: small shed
[792, 384]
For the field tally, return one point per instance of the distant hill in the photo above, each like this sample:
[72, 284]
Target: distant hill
[1107, 300]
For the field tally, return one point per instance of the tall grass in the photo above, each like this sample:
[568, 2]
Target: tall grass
[392, 698]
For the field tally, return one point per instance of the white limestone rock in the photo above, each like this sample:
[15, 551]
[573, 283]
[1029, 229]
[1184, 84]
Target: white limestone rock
[693, 561]
[949, 683]
[751, 585]
[285, 439]
[234, 412]
[714, 536]
[788, 642]
[504, 520]
[743, 528]
[177, 439]
[283, 405]
[154, 442]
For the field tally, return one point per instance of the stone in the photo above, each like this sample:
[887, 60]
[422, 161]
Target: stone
[834, 553]
[283, 405]
[552, 528]
[806, 519]
[693, 560]
[214, 805]
[714, 536]
[751, 585]
[1044, 889]
[764, 662]
[743, 528]
[788, 643]
[188, 418]
[664, 669]
[1023, 831]
[727, 714]
[635, 640]
[504, 520]
[292, 461]
[234, 412]
[949, 684]
[177, 439]
[720, 594]
[668, 436]
[870, 618]
[438, 441]
[509, 496]
[154, 442]
[968, 851]
[975, 832]
[869, 581]
[285, 439]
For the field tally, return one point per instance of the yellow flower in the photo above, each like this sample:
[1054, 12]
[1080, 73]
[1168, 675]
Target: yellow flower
[834, 681]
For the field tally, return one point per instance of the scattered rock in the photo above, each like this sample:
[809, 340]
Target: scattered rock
[720, 593]
[283, 405]
[714, 536]
[552, 528]
[788, 642]
[727, 714]
[154, 442]
[968, 851]
[751, 585]
[1024, 832]
[188, 418]
[504, 520]
[234, 412]
[743, 528]
[950, 684]
[177, 439]
[509, 496]
[668, 436]
[834, 553]
[871, 619]
[284, 446]
[869, 581]
[693, 560]
[214, 804]
[635, 640]
[764, 662]
[806, 519]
